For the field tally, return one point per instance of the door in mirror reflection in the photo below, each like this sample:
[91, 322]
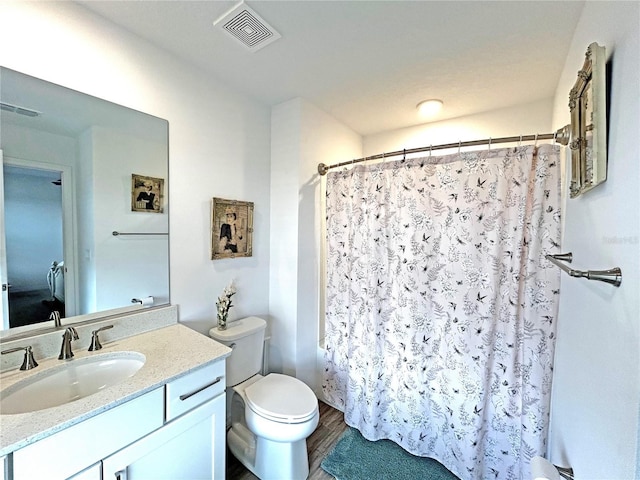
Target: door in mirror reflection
[33, 209]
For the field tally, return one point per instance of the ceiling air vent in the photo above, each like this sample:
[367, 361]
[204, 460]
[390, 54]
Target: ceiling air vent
[19, 110]
[247, 27]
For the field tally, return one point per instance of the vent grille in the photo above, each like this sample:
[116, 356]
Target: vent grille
[247, 27]
[19, 110]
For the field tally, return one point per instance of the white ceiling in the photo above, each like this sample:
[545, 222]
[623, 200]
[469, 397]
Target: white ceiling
[368, 63]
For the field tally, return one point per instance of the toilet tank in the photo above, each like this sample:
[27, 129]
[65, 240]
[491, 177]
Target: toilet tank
[246, 338]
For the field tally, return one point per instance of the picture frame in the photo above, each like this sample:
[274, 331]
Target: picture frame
[587, 103]
[231, 228]
[147, 194]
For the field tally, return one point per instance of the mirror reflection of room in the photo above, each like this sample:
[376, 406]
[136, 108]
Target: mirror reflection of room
[68, 161]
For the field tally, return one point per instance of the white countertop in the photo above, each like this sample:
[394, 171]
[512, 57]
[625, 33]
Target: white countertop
[170, 353]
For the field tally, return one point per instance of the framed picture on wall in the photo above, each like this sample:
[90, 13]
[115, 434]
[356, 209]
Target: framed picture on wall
[231, 228]
[587, 102]
[147, 194]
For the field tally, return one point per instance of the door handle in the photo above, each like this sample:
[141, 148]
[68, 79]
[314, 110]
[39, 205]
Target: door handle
[121, 474]
[6, 286]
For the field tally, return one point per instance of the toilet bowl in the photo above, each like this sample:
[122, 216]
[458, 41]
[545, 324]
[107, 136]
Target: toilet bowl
[269, 417]
[272, 417]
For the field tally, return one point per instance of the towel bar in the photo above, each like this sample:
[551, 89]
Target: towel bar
[115, 234]
[612, 275]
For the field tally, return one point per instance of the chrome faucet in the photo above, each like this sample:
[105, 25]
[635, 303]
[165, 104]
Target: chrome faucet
[68, 336]
[55, 316]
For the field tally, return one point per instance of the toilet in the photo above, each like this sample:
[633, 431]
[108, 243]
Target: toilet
[268, 417]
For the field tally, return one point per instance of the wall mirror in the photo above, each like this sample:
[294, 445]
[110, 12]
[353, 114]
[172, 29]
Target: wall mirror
[587, 102]
[66, 188]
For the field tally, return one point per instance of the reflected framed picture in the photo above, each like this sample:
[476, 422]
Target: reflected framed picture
[231, 228]
[147, 194]
[587, 102]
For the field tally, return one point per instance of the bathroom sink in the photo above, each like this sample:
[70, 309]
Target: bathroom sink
[73, 380]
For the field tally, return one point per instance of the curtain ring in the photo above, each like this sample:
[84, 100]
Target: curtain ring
[520, 141]
[430, 150]
[555, 136]
[535, 144]
[459, 145]
[404, 154]
[489, 143]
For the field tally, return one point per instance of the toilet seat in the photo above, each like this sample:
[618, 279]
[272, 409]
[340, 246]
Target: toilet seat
[282, 399]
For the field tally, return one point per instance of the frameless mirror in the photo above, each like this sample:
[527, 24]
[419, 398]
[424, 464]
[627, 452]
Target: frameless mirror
[84, 212]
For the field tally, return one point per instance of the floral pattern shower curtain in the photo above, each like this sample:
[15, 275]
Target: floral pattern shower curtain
[440, 307]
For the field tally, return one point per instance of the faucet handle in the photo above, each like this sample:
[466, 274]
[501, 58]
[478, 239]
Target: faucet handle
[95, 340]
[73, 334]
[29, 362]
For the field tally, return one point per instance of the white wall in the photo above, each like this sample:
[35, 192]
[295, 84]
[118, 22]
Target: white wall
[505, 122]
[122, 262]
[596, 390]
[85, 219]
[219, 140]
[302, 137]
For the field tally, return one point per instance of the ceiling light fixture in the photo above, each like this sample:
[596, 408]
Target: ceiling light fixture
[429, 108]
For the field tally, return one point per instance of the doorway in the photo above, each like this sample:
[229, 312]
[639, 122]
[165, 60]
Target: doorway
[34, 243]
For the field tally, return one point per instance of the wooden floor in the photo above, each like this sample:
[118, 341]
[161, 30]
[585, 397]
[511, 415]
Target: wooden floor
[319, 444]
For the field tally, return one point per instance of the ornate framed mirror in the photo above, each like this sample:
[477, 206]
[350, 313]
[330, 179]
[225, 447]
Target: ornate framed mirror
[587, 102]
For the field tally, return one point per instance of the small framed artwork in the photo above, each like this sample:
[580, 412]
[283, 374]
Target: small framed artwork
[231, 228]
[147, 194]
[587, 102]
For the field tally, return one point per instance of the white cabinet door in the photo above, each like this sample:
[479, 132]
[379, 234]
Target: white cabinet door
[65, 453]
[190, 447]
[94, 472]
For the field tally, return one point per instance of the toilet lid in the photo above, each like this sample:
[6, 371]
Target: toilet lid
[281, 398]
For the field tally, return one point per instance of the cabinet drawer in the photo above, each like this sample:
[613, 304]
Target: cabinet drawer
[191, 390]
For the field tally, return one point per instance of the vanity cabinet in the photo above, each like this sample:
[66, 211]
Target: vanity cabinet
[174, 431]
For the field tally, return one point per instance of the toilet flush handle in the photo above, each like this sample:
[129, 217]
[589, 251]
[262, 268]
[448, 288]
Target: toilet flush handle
[232, 346]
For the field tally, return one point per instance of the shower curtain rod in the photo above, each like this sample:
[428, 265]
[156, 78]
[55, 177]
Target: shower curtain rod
[561, 136]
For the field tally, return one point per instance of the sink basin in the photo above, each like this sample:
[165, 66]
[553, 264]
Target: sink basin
[73, 380]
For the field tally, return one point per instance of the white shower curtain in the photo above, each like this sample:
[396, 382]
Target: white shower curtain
[440, 305]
